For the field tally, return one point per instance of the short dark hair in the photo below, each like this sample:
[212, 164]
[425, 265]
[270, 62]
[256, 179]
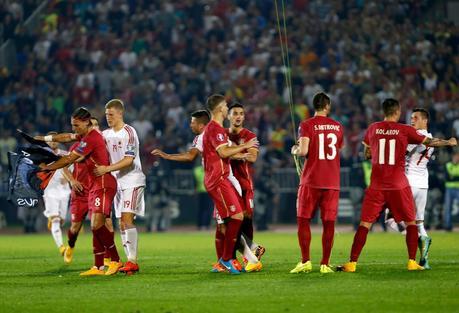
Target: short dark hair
[235, 105]
[390, 106]
[424, 113]
[81, 114]
[320, 101]
[202, 116]
[213, 101]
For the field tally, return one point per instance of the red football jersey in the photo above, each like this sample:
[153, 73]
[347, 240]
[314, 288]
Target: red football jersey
[80, 173]
[242, 169]
[92, 147]
[322, 168]
[387, 142]
[215, 168]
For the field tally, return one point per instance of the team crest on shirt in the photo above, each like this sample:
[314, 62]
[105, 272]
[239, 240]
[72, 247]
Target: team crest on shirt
[232, 208]
[220, 137]
[82, 145]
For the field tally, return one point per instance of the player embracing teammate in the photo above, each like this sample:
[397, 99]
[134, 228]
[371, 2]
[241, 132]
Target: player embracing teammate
[216, 158]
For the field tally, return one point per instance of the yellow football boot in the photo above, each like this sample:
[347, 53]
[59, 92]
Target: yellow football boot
[93, 271]
[113, 268]
[414, 266]
[302, 268]
[253, 267]
[325, 269]
[68, 255]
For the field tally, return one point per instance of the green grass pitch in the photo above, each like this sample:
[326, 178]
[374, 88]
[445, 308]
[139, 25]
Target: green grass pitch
[175, 277]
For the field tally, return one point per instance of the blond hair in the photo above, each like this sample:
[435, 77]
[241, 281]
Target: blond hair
[115, 104]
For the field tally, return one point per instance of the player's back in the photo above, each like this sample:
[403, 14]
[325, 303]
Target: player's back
[125, 142]
[215, 168]
[388, 143]
[322, 168]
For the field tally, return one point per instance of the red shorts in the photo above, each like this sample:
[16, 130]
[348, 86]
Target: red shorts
[400, 202]
[101, 200]
[226, 199]
[309, 199]
[247, 202]
[78, 208]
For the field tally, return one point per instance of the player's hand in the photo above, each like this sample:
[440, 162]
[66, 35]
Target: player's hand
[159, 153]
[100, 170]
[252, 143]
[76, 186]
[42, 167]
[40, 138]
[294, 149]
[452, 141]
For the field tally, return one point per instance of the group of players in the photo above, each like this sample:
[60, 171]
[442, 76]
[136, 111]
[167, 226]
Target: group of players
[396, 151]
[107, 170]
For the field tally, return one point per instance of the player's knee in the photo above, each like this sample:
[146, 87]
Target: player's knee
[75, 227]
[238, 216]
[366, 224]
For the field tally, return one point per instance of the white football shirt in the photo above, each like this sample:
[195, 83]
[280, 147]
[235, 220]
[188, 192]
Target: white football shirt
[120, 144]
[417, 157]
[58, 187]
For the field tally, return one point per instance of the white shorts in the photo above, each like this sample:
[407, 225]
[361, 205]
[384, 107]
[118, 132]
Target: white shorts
[56, 206]
[130, 200]
[420, 200]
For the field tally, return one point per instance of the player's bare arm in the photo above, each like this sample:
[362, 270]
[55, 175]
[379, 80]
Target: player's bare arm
[123, 163]
[367, 152]
[74, 184]
[62, 138]
[188, 156]
[437, 142]
[225, 151]
[62, 162]
[302, 148]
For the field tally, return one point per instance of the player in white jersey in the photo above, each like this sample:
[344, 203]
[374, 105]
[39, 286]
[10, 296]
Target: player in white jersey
[56, 198]
[417, 158]
[199, 120]
[123, 146]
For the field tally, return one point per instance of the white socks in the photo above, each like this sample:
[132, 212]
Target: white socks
[248, 254]
[421, 229]
[131, 243]
[123, 240]
[56, 231]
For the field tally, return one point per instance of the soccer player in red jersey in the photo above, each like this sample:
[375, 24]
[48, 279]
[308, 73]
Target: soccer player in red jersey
[242, 171]
[102, 189]
[320, 139]
[78, 199]
[216, 154]
[385, 143]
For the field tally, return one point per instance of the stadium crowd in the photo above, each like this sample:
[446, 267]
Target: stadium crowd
[163, 58]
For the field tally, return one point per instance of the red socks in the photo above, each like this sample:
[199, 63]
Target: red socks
[327, 240]
[71, 238]
[232, 231]
[219, 243]
[412, 241]
[98, 250]
[359, 241]
[304, 237]
[107, 238]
